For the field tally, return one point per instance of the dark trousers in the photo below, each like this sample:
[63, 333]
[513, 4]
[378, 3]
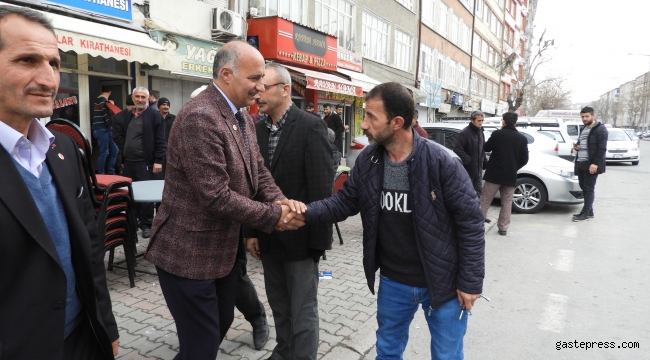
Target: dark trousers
[292, 289]
[587, 183]
[203, 311]
[478, 186]
[141, 171]
[81, 344]
[247, 301]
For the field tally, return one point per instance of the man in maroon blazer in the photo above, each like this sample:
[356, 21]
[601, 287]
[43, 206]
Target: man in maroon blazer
[215, 182]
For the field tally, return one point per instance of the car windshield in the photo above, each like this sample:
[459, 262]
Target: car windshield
[618, 136]
[630, 133]
[555, 135]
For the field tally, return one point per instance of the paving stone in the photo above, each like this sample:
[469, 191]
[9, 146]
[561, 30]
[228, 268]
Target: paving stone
[249, 353]
[139, 315]
[328, 338]
[163, 352]
[158, 321]
[126, 338]
[151, 333]
[329, 327]
[339, 353]
[344, 331]
[130, 326]
[229, 346]
[121, 309]
[145, 305]
[144, 346]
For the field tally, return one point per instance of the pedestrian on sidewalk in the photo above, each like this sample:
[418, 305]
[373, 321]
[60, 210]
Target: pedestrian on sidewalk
[216, 181]
[416, 126]
[509, 154]
[334, 122]
[101, 129]
[422, 227]
[469, 147]
[296, 150]
[54, 303]
[590, 160]
[141, 139]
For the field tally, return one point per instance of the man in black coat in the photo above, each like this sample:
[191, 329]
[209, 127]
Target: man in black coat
[469, 147]
[163, 106]
[296, 150]
[590, 159]
[141, 140]
[509, 154]
[310, 109]
[334, 122]
[54, 299]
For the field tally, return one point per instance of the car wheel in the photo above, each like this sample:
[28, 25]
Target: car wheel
[530, 196]
[635, 162]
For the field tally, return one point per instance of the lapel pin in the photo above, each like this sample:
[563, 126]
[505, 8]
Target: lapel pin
[61, 156]
[433, 195]
[234, 127]
[53, 146]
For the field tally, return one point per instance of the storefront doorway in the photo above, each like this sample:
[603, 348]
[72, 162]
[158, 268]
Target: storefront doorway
[119, 90]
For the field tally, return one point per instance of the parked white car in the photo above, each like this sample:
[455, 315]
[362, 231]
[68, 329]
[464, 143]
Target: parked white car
[633, 135]
[620, 148]
[564, 141]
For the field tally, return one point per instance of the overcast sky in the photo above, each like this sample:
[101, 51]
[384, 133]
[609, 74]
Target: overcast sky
[592, 42]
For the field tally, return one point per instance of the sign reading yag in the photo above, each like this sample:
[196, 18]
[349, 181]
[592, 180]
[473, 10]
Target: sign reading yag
[187, 55]
[120, 9]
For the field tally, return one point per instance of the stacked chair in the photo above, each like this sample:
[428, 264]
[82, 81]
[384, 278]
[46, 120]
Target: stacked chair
[339, 179]
[112, 199]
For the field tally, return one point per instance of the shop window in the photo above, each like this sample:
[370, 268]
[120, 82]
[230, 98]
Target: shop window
[68, 60]
[109, 66]
[335, 17]
[66, 103]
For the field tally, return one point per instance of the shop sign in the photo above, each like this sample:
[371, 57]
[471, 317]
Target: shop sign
[433, 91]
[280, 39]
[187, 55]
[332, 96]
[487, 106]
[333, 86]
[77, 41]
[458, 99]
[358, 116]
[60, 103]
[445, 108]
[120, 9]
[349, 60]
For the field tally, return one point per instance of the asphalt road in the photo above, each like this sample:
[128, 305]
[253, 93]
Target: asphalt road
[553, 280]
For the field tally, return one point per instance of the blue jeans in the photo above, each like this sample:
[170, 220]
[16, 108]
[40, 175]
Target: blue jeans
[396, 305]
[107, 150]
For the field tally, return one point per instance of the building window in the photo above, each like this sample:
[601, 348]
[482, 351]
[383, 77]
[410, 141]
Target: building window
[375, 38]
[442, 24]
[426, 62]
[523, 47]
[466, 38]
[406, 3]
[474, 83]
[451, 74]
[428, 12]
[523, 23]
[501, 3]
[490, 56]
[288, 9]
[469, 4]
[484, 51]
[454, 29]
[488, 91]
[521, 73]
[463, 79]
[510, 37]
[335, 17]
[403, 50]
[499, 32]
[487, 17]
[481, 86]
[441, 69]
[480, 5]
[477, 45]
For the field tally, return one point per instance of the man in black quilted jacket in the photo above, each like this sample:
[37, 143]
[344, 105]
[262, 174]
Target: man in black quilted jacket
[422, 227]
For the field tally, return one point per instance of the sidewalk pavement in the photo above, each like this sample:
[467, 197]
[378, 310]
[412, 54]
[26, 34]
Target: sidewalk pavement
[347, 308]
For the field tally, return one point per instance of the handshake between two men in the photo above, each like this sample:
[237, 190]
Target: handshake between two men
[293, 215]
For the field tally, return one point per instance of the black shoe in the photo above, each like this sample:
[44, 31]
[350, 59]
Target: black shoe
[581, 217]
[146, 233]
[503, 232]
[260, 335]
[591, 215]
[487, 221]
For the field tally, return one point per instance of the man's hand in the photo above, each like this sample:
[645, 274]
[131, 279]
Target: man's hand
[157, 168]
[576, 147]
[347, 128]
[115, 345]
[253, 247]
[593, 168]
[466, 300]
[295, 205]
[289, 220]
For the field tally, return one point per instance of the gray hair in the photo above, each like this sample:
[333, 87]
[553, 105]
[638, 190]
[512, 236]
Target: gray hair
[283, 73]
[27, 14]
[476, 114]
[141, 89]
[226, 57]
[331, 135]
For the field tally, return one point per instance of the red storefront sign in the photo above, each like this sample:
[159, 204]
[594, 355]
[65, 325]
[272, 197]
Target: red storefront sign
[293, 44]
[333, 86]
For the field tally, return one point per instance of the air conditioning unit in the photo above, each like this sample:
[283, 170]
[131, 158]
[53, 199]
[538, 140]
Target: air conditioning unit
[226, 22]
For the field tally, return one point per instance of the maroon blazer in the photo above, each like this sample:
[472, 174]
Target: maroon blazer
[213, 185]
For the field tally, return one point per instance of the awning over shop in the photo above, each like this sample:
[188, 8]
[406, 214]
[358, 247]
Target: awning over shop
[85, 37]
[327, 82]
[361, 79]
[420, 96]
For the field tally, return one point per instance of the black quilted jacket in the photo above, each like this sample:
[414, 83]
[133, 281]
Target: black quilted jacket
[447, 217]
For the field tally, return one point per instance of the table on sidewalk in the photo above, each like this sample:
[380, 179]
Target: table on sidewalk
[149, 191]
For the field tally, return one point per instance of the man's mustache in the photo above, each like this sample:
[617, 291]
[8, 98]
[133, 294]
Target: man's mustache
[40, 90]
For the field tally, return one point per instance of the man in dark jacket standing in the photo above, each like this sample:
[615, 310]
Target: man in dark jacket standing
[590, 160]
[422, 227]
[509, 154]
[334, 122]
[163, 107]
[141, 139]
[469, 147]
[295, 149]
